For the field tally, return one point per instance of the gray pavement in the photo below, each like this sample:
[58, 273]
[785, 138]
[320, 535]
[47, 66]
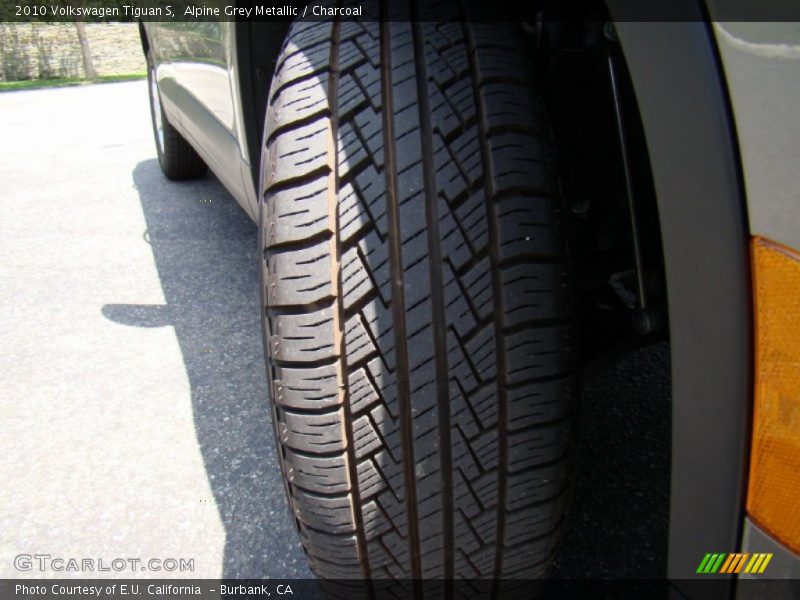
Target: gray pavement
[133, 408]
[618, 521]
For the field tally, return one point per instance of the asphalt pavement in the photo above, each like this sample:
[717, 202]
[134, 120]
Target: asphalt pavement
[133, 410]
[133, 406]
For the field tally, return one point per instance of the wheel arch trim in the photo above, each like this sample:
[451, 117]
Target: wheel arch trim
[694, 155]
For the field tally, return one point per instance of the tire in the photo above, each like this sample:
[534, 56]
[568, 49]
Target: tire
[418, 311]
[177, 158]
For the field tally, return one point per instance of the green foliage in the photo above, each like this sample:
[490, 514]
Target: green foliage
[34, 84]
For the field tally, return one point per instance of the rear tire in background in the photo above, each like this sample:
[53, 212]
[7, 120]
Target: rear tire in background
[177, 158]
[418, 310]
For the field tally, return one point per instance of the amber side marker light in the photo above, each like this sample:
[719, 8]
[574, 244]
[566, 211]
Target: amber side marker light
[773, 495]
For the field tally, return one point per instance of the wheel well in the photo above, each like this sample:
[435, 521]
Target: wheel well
[615, 233]
[689, 194]
[607, 183]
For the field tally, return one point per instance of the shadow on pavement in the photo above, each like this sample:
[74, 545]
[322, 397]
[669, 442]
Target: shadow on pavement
[618, 523]
[204, 247]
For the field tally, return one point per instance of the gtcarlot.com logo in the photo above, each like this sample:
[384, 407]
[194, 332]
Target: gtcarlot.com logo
[727, 562]
[58, 564]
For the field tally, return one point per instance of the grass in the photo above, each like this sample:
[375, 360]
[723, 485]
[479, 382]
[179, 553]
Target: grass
[35, 84]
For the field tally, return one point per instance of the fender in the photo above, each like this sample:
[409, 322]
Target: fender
[679, 85]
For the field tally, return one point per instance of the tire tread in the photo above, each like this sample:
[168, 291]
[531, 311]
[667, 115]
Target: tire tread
[417, 300]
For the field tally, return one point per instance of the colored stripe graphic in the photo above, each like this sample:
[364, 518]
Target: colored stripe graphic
[758, 563]
[749, 568]
[767, 558]
[734, 562]
[711, 563]
[715, 567]
[729, 562]
[703, 563]
[740, 564]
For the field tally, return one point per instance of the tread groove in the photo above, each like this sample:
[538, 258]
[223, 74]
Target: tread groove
[398, 304]
[438, 316]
